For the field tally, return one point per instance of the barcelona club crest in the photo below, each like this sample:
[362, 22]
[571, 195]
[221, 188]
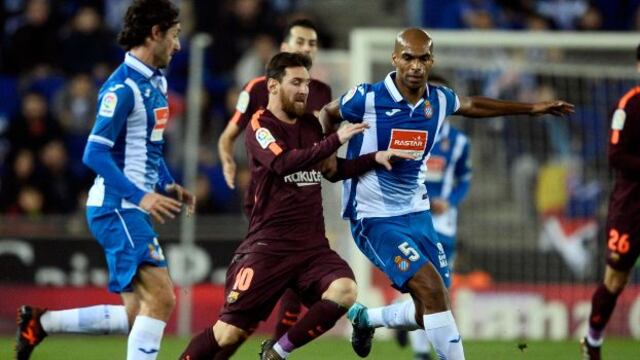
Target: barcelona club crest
[402, 264]
[428, 109]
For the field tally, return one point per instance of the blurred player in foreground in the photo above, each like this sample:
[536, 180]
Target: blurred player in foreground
[133, 185]
[623, 220]
[286, 245]
[448, 179]
[299, 37]
[389, 210]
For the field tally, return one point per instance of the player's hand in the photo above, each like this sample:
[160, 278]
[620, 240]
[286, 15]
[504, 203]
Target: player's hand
[229, 172]
[388, 157]
[160, 206]
[555, 107]
[347, 131]
[184, 196]
[439, 206]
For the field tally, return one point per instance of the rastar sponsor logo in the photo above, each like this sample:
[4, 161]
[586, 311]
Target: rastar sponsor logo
[304, 178]
[413, 142]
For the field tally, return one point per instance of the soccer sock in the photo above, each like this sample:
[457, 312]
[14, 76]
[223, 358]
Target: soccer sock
[289, 311]
[144, 339]
[401, 316]
[419, 342]
[444, 336]
[320, 318]
[98, 320]
[602, 305]
[202, 346]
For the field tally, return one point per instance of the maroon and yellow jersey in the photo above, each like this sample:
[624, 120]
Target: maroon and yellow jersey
[284, 161]
[624, 157]
[255, 96]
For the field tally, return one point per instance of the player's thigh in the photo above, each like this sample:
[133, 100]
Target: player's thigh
[128, 240]
[322, 273]
[391, 246]
[253, 285]
[623, 243]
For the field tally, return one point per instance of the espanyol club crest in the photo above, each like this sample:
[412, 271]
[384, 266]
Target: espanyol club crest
[401, 263]
[428, 109]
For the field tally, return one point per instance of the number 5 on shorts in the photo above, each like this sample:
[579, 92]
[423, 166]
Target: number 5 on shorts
[243, 279]
[409, 251]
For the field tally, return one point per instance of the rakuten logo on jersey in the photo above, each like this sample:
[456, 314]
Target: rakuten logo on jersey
[413, 142]
[304, 178]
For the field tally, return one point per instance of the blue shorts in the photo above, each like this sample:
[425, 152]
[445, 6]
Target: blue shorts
[128, 240]
[449, 245]
[401, 245]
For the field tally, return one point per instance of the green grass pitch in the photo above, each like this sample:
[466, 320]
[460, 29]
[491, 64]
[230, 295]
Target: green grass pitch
[113, 347]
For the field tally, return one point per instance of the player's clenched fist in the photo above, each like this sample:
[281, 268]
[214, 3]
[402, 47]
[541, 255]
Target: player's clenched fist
[348, 131]
[160, 206]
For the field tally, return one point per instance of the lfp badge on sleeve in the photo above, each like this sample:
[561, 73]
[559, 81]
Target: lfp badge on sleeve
[412, 142]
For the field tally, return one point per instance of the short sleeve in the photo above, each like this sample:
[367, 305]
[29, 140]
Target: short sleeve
[453, 102]
[352, 103]
[114, 106]
[252, 98]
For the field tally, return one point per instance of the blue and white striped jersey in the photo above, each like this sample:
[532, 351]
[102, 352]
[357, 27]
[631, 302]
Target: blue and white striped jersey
[449, 175]
[393, 124]
[132, 114]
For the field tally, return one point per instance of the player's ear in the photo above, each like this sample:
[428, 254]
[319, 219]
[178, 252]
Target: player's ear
[393, 59]
[156, 33]
[272, 85]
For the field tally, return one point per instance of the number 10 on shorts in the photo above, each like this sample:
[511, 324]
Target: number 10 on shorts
[409, 251]
[243, 279]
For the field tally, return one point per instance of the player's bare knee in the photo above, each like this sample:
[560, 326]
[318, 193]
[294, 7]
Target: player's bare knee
[343, 291]
[615, 280]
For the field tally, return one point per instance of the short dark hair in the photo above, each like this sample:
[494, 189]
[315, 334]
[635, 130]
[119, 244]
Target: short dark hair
[141, 16]
[280, 62]
[305, 23]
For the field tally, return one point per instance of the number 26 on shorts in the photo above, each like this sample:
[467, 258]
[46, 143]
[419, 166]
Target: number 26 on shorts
[617, 242]
[243, 279]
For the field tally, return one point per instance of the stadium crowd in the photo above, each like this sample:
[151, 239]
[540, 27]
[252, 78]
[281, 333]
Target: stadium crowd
[55, 54]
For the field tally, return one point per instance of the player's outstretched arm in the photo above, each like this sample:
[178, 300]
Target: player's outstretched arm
[160, 206]
[182, 195]
[478, 106]
[225, 151]
[330, 117]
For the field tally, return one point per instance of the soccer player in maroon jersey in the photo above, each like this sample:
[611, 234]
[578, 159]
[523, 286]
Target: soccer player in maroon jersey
[623, 220]
[299, 37]
[286, 245]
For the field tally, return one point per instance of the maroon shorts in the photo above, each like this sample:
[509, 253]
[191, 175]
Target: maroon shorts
[623, 242]
[256, 281]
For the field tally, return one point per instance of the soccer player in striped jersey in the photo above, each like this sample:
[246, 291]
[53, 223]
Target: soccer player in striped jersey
[389, 210]
[623, 227]
[132, 185]
[299, 37]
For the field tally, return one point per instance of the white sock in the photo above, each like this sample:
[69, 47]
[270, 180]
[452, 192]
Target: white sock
[444, 336]
[97, 320]
[419, 341]
[144, 339]
[282, 352]
[401, 316]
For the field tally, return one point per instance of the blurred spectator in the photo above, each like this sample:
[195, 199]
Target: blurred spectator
[565, 13]
[60, 194]
[591, 20]
[75, 105]
[439, 14]
[253, 62]
[19, 175]
[34, 126]
[86, 46]
[33, 47]
[480, 14]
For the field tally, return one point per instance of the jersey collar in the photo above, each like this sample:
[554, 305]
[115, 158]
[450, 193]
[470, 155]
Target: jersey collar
[390, 84]
[137, 65]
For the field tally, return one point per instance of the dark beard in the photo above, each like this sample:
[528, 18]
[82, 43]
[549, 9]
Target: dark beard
[289, 108]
